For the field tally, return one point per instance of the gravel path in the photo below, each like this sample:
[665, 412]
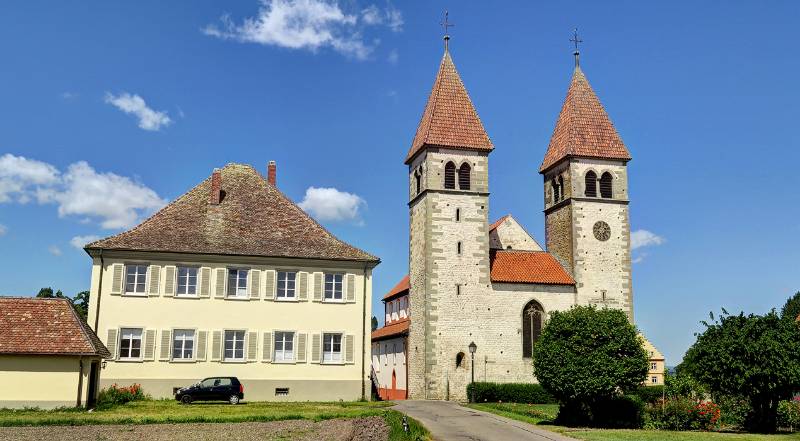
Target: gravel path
[355, 429]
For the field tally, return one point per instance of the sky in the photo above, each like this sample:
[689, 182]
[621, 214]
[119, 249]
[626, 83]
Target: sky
[108, 110]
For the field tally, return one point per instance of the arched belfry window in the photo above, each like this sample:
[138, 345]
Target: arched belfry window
[561, 188]
[606, 185]
[554, 184]
[463, 176]
[418, 181]
[591, 184]
[450, 176]
[532, 324]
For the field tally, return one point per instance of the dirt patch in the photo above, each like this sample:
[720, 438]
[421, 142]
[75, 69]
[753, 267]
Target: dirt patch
[355, 429]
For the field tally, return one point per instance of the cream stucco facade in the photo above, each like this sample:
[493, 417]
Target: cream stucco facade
[160, 316]
[44, 381]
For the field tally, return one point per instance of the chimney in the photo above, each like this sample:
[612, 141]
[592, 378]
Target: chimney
[216, 185]
[272, 171]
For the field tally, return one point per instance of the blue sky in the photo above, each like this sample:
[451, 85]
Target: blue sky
[136, 102]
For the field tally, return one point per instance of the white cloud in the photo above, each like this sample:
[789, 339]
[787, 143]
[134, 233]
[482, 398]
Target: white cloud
[308, 24]
[3, 230]
[54, 250]
[149, 119]
[330, 204]
[644, 238]
[115, 201]
[69, 95]
[80, 241]
[394, 56]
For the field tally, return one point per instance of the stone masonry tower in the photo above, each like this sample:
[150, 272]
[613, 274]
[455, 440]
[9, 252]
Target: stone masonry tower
[586, 199]
[449, 238]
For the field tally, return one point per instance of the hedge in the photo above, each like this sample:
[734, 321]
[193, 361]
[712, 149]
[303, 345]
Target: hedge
[649, 394]
[509, 393]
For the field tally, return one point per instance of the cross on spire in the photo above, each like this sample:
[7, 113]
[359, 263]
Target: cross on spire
[576, 40]
[446, 24]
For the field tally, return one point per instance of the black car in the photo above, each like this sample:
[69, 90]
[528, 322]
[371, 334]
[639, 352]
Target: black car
[212, 389]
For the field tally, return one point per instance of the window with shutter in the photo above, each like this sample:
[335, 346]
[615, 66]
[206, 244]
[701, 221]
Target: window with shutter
[266, 350]
[464, 176]
[300, 353]
[270, 285]
[302, 286]
[255, 284]
[220, 276]
[252, 346]
[349, 348]
[591, 184]
[216, 345]
[606, 186]
[351, 288]
[111, 343]
[169, 280]
[205, 282]
[187, 281]
[317, 287]
[450, 176]
[150, 345]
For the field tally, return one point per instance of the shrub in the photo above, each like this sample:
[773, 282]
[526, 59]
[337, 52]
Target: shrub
[734, 410]
[683, 413]
[621, 412]
[649, 394]
[705, 416]
[528, 393]
[114, 395]
[789, 414]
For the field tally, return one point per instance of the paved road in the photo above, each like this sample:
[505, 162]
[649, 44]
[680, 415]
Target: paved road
[449, 421]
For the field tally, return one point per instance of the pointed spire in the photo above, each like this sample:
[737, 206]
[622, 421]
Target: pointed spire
[583, 127]
[449, 119]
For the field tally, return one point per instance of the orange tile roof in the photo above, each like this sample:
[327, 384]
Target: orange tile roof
[498, 222]
[583, 127]
[401, 287]
[449, 119]
[42, 326]
[392, 330]
[512, 266]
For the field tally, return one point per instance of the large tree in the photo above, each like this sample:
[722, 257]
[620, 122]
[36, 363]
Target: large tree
[585, 357]
[80, 302]
[753, 356]
[791, 309]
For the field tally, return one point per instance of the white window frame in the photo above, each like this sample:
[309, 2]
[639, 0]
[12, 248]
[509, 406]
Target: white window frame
[653, 380]
[183, 340]
[653, 365]
[332, 357]
[334, 284]
[283, 355]
[285, 282]
[138, 277]
[239, 290]
[225, 339]
[131, 330]
[196, 285]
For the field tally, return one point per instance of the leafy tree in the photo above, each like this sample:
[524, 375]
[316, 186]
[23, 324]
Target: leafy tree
[757, 357]
[48, 293]
[585, 357]
[81, 303]
[791, 309]
[374, 323]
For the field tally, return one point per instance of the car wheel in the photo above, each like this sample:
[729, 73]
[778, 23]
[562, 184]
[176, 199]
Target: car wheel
[186, 399]
[233, 399]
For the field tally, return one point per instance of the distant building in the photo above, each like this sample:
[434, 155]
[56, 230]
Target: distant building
[656, 367]
[233, 279]
[493, 284]
[49, 357]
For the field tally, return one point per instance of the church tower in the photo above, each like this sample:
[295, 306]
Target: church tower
[586, 199]
[448, 172]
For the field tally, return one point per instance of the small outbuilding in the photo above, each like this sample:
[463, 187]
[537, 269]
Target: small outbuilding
[49, 357]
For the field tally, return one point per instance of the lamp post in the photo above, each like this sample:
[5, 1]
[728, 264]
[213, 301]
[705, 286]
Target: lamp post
[472, 348]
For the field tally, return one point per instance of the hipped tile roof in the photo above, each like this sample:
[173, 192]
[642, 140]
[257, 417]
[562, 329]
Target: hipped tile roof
[449, 119]
[253, 219]
[583, 127]
[41, 326]
[401, 287]
[391, 330]
[511, 266]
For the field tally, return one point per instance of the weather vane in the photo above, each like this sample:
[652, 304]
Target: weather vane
[446, 24]
[576, 40]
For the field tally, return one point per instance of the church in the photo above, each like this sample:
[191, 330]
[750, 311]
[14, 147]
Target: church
[480, 292]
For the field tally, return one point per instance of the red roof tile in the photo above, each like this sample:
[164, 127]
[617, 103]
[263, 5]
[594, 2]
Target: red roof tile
[449, 119]
[392, 330]
[401, 287]
[583, 127]
[39, 326]
[498, 222]
[253, 218]
[511, 266]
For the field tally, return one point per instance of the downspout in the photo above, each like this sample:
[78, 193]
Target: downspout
[80, 381]
[99, 291]
[364, 335]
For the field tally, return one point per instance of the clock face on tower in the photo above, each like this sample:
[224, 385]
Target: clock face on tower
[602, 231]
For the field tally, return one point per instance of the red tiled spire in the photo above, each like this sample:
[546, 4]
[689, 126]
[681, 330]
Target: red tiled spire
[450, 119]
[583, 127]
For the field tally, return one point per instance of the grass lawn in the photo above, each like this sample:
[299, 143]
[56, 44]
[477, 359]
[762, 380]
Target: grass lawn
[169, 411]
[543, 414]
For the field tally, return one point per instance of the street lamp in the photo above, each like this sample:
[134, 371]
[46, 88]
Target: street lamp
[472, 348]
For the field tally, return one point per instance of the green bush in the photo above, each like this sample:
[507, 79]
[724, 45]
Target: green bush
[682, 413]
[734, 410]
[527, 393]
[621, 412]
[115, 395]
[789, 415]
[649, 394]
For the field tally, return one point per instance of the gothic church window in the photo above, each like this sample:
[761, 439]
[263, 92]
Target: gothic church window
[532, 323]
[591, 184]
[463, 176]
[450, 176]
[606, 186]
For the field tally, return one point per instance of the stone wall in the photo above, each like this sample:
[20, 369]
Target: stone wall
[559, 235]
[510, 235]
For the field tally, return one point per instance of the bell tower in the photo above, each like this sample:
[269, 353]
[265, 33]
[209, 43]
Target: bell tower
[586, 199]
[448, 169]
